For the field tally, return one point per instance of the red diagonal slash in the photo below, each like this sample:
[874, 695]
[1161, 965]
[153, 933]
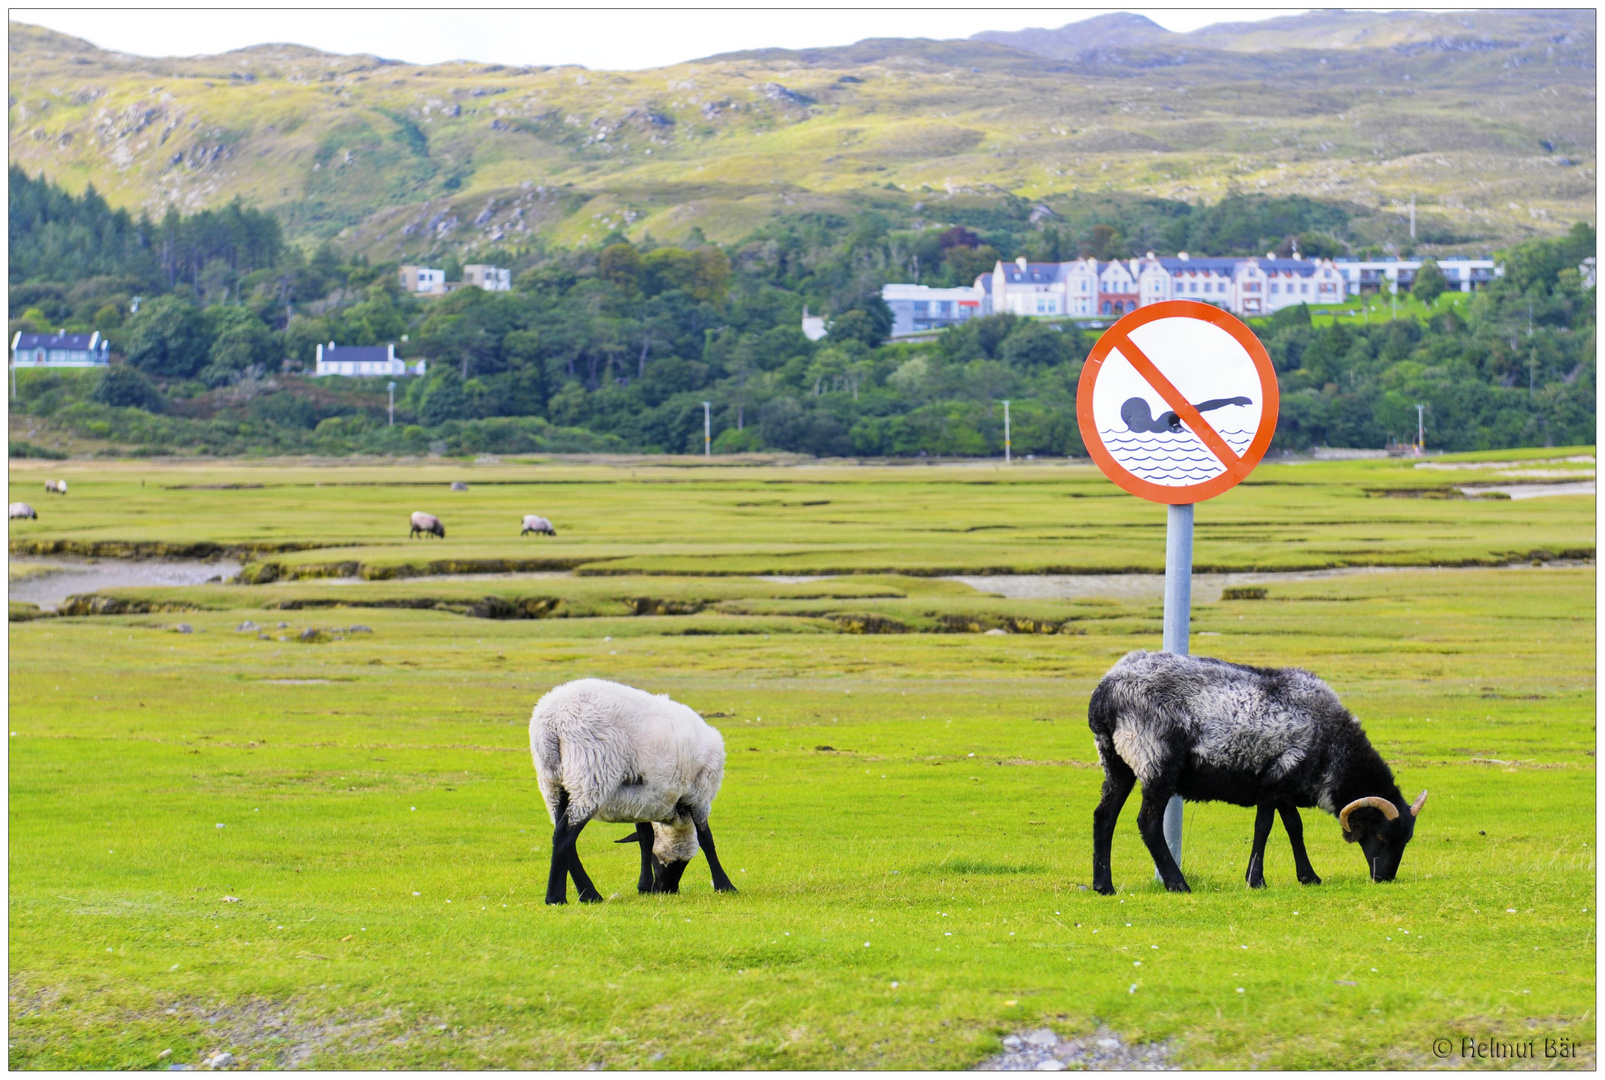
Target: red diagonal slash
[1173, 397]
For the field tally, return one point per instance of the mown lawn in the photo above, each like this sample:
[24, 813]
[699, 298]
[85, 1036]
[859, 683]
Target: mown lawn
[907, 816]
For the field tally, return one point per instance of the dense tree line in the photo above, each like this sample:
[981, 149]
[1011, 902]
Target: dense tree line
[619, 346]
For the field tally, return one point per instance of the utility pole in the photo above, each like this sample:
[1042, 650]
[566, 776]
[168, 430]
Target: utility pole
[1007, 452]
[392, 404]
[707, 429]
[1421, 428]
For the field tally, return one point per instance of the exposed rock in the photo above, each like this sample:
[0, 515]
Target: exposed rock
[1041, 1050]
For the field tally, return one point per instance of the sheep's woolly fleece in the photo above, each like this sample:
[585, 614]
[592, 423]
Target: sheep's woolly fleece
[625, 755]
[1237, 719]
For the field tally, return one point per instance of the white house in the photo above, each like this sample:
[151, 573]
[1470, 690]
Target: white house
[813, 326]
[60, 349]
[360, 361]
[423, 280]
[489, 278]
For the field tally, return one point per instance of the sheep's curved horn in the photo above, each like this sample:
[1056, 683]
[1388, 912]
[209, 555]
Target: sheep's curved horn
[1415, 807]
[1389, 811]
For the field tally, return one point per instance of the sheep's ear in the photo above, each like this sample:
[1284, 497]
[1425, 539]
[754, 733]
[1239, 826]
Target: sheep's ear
[1348, 837]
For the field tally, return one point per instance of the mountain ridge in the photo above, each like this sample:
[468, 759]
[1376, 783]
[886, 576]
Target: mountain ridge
[1485, 117]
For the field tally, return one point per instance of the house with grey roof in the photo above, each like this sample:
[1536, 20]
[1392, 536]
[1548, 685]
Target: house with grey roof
[60, 349]
[364, 361]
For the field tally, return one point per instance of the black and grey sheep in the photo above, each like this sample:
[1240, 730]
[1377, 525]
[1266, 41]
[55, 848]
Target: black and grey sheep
[426, 523]
[1271, 738]
[610, 752]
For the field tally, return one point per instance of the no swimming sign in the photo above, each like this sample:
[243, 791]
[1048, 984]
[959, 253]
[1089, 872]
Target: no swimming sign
[1177, 402]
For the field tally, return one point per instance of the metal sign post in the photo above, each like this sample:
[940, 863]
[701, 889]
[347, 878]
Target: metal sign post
[392, 404]
[707, 429]
[1178, 620]
[1177, 403]
[1006, 444]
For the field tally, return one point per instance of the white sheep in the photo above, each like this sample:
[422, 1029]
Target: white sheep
[426, 523]
[611, 752]
[534, 523]
[56, 487]
[21, 510]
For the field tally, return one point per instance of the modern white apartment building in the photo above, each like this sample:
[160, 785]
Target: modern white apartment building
[1393, 273]
[920, 308]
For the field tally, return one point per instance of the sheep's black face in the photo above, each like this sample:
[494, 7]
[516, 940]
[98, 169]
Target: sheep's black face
[668, 876]
[1383, 841]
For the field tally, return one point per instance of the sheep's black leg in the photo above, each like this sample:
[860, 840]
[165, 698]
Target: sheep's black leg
[1151, 823]
[1295, 835]
[1117, 783]
[562, 839]
[1264, 817]
[721, 880]
[643, 836]
[582, 880]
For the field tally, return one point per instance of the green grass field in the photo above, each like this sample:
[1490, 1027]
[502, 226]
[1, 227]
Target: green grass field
[907, 813]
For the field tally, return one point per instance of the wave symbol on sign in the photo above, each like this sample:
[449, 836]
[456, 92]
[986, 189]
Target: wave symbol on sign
[1171, 458]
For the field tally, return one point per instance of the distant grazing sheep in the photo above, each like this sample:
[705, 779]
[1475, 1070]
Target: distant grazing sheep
[1272, 738]
[56, 487]
[458, 485]
[534, 523]
[21, 510]
[614, 753]
[426, 523]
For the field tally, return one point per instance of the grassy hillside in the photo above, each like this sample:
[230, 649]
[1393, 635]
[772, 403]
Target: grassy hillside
[1486, 117]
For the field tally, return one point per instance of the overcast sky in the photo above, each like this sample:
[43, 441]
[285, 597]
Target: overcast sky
[611, 39]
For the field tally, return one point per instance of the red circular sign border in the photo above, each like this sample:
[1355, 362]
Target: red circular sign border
[1193, 493]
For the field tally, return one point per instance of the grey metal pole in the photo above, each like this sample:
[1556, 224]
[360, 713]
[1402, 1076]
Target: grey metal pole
[1178, 617]
[1007, 455]
[707, 429]
[392, 404]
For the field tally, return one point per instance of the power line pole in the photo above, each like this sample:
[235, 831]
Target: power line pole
[392, 404]
[1007, 453]
[1421, 428]
[707, 429]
